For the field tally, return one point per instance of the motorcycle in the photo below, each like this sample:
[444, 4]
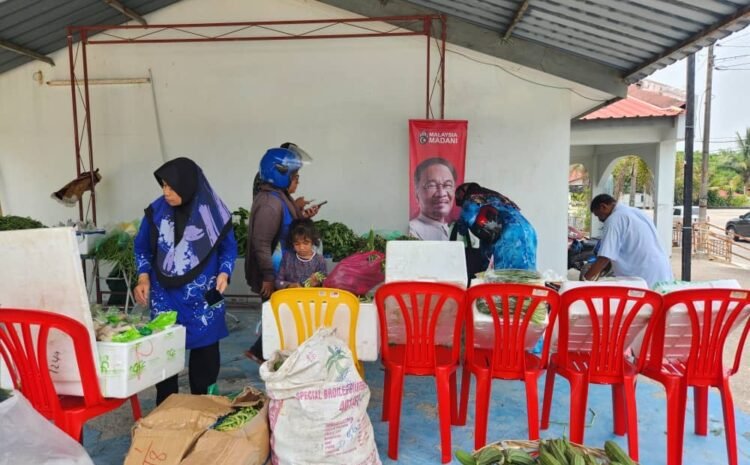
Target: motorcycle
[582, 253]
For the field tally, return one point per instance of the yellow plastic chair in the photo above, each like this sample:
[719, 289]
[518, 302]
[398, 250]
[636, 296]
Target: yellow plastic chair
[313, 307]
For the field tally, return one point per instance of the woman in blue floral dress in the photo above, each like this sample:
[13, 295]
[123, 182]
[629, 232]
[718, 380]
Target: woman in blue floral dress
[184, 248]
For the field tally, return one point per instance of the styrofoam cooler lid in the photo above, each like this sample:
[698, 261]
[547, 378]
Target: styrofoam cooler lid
[635, 282]
[431, 261]
[41, 269]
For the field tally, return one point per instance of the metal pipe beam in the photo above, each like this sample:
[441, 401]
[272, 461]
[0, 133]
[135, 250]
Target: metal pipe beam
[25, 51]
[519, 14]
[126, 11]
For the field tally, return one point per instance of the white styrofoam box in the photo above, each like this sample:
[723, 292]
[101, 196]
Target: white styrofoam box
[5, 381]
[87, 240]
[678, 335]
[368, 330]
[433, 261]
[41, 269]
[484, 327]
[581, 331]
[128, 368]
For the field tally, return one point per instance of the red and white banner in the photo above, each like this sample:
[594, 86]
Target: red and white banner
[437, 158]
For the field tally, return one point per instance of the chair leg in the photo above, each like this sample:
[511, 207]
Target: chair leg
[727, 405]
[631, 417]
[549, 387]
[445, 404]
[454, 399]
[676, 401]
[618, 409]
[579, 392]
[482, 405]
[700, 404]
[135, 405]
[532, 404]
[465, 386]
[394, 411]
[386, 394]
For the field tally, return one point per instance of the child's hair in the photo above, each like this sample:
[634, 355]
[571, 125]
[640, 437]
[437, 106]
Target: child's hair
[304, 228]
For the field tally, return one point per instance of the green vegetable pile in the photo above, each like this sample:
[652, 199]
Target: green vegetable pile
[239, 223]
[237, 419]
[13, 223]
[516, 277]
[115, 326]
[550, 452]
[340, 241]
[117, 249]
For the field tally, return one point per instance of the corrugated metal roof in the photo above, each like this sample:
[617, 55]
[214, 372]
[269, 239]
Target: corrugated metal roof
[39, 25]
[636, 37]
[640, 103]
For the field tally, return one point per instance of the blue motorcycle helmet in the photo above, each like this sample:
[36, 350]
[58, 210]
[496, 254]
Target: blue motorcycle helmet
[279, 165]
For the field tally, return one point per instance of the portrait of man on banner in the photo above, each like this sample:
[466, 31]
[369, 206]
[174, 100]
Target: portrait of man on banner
[437, 158]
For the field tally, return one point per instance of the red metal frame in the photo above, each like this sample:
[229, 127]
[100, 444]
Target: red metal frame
[229, 32]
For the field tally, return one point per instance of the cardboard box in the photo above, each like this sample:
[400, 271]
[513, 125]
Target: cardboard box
[126, 368]
[178, 432]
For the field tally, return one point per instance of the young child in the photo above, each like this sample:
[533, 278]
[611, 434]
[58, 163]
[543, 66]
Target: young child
[304, 267]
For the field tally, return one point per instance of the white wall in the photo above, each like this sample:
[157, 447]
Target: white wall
[346, 102]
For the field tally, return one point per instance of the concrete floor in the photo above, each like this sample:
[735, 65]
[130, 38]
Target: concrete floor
[107, 438]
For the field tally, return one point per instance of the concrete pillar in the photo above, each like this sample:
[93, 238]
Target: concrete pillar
[663, 168]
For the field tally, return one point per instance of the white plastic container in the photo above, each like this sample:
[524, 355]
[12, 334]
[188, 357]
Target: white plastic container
[87, 240]
[127, 368]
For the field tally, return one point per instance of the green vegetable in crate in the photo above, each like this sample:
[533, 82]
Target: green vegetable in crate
[236, 419]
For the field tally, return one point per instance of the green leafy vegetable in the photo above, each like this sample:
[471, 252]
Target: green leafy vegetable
[236, 419]
[12, 223]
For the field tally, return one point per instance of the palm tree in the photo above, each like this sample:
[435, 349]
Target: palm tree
[741, 161]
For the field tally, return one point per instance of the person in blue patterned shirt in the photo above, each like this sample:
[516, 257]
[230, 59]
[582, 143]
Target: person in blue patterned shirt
[184, 248]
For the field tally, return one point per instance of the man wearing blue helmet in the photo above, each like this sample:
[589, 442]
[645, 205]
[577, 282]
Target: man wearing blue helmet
[272, 212]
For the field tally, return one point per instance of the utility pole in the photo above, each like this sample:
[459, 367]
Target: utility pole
[703, 201]
[687, 223]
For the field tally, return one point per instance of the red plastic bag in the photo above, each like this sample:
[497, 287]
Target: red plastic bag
[357, 273]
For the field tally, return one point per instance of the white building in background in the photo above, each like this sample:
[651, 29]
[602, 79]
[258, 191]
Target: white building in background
[347, 103]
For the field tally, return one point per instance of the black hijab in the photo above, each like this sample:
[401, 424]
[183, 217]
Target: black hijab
[181, 174]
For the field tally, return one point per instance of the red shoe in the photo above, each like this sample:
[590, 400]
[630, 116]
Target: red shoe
[249, 354]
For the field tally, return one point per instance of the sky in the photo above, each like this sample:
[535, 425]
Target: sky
[730, 104]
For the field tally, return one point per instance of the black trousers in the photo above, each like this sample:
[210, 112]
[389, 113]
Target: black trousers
[257, 347]
[203, 370]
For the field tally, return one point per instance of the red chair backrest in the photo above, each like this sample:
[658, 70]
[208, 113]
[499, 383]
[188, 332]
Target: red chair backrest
[610, 326]
[510, 321]
[421, 306]
[23, 345]
[708, 330]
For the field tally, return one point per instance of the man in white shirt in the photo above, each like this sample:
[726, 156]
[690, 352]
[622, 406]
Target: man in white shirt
[630, 242]
[435, 186]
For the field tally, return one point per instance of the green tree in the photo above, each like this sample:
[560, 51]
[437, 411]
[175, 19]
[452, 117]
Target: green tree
[741, 161]
[622, 174]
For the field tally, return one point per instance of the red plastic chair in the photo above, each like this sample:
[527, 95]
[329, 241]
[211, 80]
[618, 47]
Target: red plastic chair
[592, 348]
[507, 358]
[674, 366]
[425, 341]
[23, 346]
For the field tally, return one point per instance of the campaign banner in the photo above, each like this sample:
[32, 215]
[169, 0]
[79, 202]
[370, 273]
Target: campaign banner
[437, 159]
